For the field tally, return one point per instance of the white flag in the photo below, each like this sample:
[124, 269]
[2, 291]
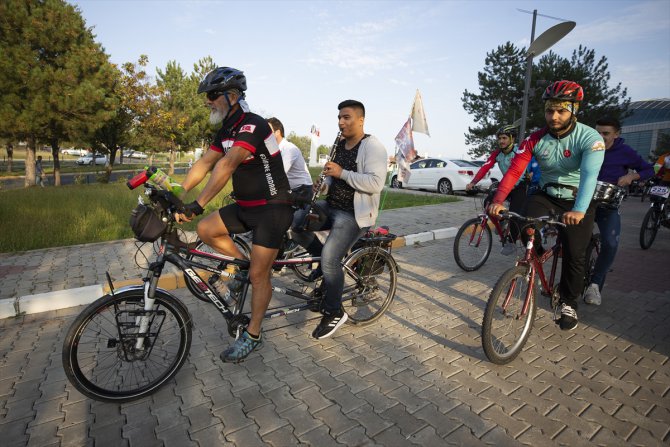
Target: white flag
[419, 123]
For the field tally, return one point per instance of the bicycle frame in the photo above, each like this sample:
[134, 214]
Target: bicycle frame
[485, 219]
[534, 264]
[168, 253]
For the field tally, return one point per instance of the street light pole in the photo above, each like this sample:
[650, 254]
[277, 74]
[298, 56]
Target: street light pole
[529, 68]
[537, 47]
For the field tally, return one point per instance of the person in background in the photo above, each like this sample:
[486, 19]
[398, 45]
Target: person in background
[39, 172]
[619, 160]
[294, 163]
[517, 197]
[662, 168]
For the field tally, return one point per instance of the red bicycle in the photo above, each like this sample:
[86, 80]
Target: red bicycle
[512, 305]
[474, 240]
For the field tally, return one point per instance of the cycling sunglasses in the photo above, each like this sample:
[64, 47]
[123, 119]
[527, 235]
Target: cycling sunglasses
[212, 96]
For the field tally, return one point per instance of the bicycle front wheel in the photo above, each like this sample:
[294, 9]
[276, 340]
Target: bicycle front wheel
[507, 325]
[649, 228]
[370, 281]
[472, 245]
[115, 351]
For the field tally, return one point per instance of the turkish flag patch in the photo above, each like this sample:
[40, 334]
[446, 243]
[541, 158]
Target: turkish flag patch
[567, 153]
[248, 128]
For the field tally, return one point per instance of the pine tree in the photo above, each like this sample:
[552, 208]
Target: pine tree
[133, 94]
[501, 91]
[54, 78]
[499, 99]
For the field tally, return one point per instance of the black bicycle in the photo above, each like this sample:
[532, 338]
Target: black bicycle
[657, 215]
[130, 342]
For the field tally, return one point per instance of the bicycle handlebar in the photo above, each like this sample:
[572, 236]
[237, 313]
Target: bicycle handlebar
[551, 220]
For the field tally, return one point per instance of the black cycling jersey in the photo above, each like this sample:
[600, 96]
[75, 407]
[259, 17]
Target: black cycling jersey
[261, 176]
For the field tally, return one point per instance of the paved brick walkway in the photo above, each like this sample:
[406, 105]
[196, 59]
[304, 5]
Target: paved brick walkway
[418, 376]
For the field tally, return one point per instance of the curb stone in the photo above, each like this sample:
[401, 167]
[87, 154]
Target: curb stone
[61, 299]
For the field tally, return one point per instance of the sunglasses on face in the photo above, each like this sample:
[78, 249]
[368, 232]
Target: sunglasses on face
[212, 96]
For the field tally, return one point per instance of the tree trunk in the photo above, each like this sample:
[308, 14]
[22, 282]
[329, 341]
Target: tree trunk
[55, 152]
[30, 162]
[171, 170]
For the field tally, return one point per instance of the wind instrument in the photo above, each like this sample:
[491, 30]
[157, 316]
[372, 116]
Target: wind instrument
[312, 214]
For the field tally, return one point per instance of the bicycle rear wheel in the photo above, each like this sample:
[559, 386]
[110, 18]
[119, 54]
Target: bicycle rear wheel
[506, 327]
[241, 244]
[370, 281]
[101, 357]
[472, 245]
[649, 228]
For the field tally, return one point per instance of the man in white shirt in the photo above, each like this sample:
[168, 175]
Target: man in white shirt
[294, 163]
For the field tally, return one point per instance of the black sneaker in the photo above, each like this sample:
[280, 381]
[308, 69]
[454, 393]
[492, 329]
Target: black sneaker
[315, 274]
[330, 322]
[568, 320]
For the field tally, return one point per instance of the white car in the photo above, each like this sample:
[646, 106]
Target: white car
[139, 155]
[77, 152]
[496, 173]
[440, 175]
[135, 154]
[99, 159]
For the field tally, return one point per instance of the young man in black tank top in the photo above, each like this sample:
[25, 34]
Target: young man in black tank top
[354, 180]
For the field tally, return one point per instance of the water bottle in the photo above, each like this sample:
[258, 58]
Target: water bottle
[163, 181]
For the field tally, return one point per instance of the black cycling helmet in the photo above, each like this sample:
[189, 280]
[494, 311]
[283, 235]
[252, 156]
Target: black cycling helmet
[564, 91]
[510, 131]
[222, 79]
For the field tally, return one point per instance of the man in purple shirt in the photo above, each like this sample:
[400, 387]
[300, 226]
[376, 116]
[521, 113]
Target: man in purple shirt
[620, 159]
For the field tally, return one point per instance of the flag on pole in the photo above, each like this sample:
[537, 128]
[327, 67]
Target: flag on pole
[404, 141]
[419, 123]
[403, 167]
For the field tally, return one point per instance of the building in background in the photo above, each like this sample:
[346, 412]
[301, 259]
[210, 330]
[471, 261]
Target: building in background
[642, 128]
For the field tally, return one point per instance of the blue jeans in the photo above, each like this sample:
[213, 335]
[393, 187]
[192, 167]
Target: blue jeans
[609, 224]
[344, 232]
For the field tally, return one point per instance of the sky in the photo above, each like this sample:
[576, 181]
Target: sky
[303, 57]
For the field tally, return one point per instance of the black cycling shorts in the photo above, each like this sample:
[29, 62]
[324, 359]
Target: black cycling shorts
[267, 222]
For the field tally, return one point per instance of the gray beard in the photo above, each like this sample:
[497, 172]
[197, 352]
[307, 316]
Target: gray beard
[216, 117]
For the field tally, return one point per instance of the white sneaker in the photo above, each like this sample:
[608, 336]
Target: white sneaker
[592, 295]
[508, 248]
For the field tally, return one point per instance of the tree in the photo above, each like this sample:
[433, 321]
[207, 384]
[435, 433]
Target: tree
[180, 121]
[501, 86]
[200, 115]
[54, 78]
[304, 143]
[593, 75]
[499, 100]
[133, 94]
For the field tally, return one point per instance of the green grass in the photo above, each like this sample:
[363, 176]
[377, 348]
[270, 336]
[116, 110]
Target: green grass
[36, 218]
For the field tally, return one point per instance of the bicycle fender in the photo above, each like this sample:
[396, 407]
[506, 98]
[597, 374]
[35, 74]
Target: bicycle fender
[163, 293]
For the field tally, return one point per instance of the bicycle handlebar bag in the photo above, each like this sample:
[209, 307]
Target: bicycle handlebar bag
[146, 223]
